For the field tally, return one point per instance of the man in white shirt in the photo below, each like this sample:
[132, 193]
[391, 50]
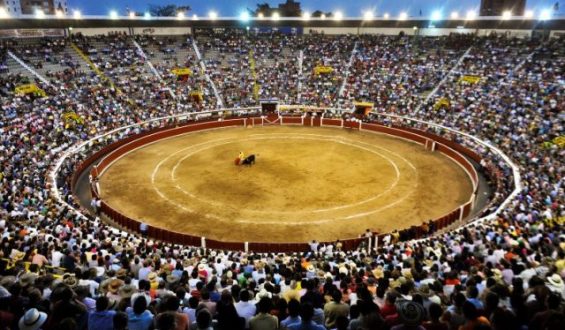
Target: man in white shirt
[244, 308]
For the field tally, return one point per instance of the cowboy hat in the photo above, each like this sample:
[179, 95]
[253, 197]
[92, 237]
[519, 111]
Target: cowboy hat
[115, 285]
[32, 320]
[126, 291]
[310, 268]
[121, 273]
[172, 279]
[152, 277]
[70, 280]
[556, 281]
[411, 313]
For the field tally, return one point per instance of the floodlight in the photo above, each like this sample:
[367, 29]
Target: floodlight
[507, 14]
[403, 16]
[244, 16]
[276, 16]
[4, 13]
[77, 14]
[386, 16]
[260, 16]
[59, 13]
[147, 15]
[213, 15]
[195, 17]
[454, 15]
[545, 15]
[529, 14]
[471, 15]
[39, 13]
[306, 16]
[338, 16]
[368, 15]
[180, 15]
[436, 15]
[131, 14]
[113, 14]
[323, 16]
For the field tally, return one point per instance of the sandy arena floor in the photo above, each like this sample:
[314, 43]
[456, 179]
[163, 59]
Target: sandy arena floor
[308, 183]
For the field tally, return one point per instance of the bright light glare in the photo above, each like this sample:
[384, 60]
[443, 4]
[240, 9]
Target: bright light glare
[39, 13]
[323, 16]
[244, 16]
[77, 14]
[471, 15]
[113, 14]
[131, 14]
[147, 15]
[386, 16]
[260, 15]
[402, 16]
[195, 17]
[338, 16]
[545, 15]
[436, 15]
[306, 15]
[213, 15]
[276, 16]
[3, 13]
[506, 14]
[180, 15]
[454, 15]
[529, 14]
[59, 13]
[368, 15]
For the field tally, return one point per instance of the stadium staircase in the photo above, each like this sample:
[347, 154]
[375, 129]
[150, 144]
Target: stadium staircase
[348, 70]
[300, 75]
[93, 66]
[25, 66]
[141, 53]
[206, 75]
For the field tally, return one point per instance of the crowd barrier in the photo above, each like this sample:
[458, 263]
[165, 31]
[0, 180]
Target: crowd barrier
[114, 151]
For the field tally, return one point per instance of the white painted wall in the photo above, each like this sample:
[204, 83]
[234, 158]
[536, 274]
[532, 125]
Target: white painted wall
[512, 33]
[556, 33]
[443, 32]
[98, 31]
[331, 30]
[159, 31]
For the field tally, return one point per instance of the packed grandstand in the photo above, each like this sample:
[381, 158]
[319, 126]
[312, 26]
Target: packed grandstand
[63, 269]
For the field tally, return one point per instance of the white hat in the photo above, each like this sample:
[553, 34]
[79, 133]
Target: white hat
[32, 320]
[556, 281]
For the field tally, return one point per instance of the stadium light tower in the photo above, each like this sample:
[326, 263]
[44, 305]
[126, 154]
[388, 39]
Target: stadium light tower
[276, 16]
[436, 15]
[323, 16]
[180, 15]
[113, 14]
[244, 16]
[545, 15]
[213, 15]
[131, 14]
[471, 15]
[260, 16]
[368, 15]
[454, 15]
[386, 16]
[39, 13]
[403, 16]
[195, 17]
[338, 16]
[77, 14]
[506, 15]
[147, 15]
[59, 13]
[306, 16]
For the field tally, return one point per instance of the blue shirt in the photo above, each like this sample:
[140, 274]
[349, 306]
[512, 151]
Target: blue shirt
[308, 326]
[139, 322]
[101, 320]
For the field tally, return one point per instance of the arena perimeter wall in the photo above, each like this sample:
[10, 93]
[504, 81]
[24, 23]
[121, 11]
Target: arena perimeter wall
[430, 141]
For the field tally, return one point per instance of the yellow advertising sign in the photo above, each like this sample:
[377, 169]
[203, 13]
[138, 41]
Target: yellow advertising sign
[182, 72]
[320, 69]
[443, 102]
[470, 79]
[29, 89]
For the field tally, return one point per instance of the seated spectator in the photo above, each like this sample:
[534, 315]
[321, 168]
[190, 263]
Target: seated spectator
[306, 322]
[139, 318]
[102, 318]
[263, 320]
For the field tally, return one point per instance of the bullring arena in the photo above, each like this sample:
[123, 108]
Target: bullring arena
[329, 182]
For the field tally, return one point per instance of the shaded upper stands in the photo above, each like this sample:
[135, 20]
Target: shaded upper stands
[170, 52]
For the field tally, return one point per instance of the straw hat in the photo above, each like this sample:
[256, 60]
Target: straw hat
[115, 285]
[172, 279]
[556, 281]
[152, 277]
[126, 291]
[311, 268]
[263, 294]
[32, 320]
[28, 279]
[70, 280]
[121, 273]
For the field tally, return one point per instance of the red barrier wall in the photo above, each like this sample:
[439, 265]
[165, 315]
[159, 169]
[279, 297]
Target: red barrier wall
[118, 149]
